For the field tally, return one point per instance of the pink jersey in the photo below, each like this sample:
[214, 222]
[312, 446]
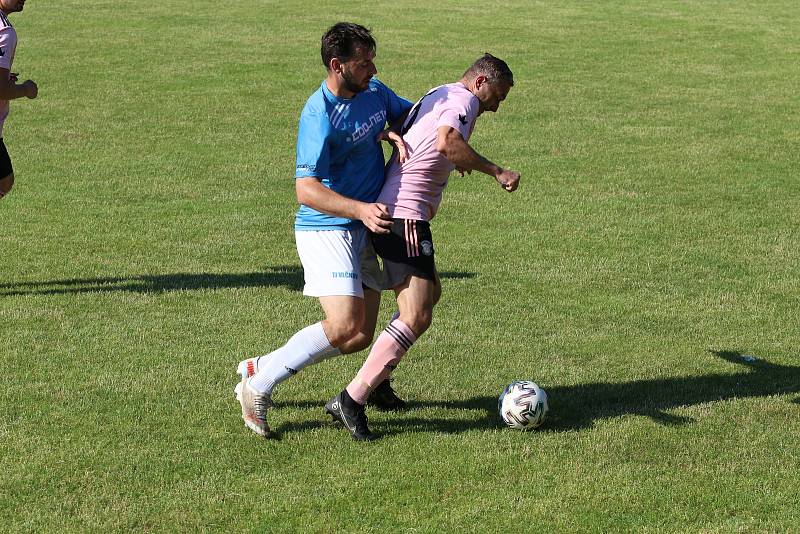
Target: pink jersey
[413, 190]
[8, 45]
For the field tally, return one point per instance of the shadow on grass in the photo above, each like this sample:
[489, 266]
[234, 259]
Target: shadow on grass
[578, 407]
[288, 276]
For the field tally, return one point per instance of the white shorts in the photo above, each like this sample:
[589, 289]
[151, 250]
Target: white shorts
[338, 262]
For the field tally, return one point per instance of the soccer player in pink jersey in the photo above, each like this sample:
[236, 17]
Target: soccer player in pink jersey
[436, 133]
[9, 88]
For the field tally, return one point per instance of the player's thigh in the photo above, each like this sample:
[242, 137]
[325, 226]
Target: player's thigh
[415, 299]
[416, 294]
[372, 303]
[437, 291]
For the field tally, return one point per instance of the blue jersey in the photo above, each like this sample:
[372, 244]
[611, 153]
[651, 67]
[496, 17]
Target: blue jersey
[336, 144]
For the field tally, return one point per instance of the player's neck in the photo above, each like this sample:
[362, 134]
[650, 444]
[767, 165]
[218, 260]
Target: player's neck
[337, 87]
[469, 85]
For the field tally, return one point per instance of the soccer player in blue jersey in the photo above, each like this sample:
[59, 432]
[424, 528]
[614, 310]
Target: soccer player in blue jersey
[338, 176]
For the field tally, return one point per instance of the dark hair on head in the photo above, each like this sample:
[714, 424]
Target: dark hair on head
[495, 69]
[341, 41]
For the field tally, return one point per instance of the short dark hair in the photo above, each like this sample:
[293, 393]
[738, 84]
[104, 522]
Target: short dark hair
[341, 41]
[495, 69]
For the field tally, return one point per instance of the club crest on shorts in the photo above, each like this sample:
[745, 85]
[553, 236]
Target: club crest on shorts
[427, 248]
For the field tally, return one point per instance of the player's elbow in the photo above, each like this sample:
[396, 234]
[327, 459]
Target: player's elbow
[442, 146]
[302, 190]
[449, 150]
[302, 198]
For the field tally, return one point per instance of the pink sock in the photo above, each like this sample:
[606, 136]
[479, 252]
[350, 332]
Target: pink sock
[394, 341]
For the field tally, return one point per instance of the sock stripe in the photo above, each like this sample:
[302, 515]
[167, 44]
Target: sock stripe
[398, 336]
[393, 342]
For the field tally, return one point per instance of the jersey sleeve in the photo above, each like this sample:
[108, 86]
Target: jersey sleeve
[313, 150]
[8, 42]
[457, 114]
[395, 105]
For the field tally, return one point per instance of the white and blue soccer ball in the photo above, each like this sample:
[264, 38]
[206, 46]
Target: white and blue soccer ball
[523, 405]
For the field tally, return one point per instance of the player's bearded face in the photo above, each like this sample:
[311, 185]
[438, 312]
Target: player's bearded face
[490, 94]
[357, 72]
[352, 83]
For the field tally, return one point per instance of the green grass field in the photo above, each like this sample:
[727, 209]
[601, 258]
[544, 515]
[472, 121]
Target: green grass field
[147, 247]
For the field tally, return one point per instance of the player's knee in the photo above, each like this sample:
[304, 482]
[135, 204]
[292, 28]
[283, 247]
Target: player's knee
[342, 331]
[6, 184]
[419, 320]
[423, 322]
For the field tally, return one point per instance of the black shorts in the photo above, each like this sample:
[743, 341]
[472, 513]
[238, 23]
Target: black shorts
[5, 161]
[406, 250]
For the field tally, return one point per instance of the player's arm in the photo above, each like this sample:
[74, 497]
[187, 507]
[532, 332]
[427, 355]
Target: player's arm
[452, 145]
[397, 124]
[10, 90]
[311, 193]
[392, 135]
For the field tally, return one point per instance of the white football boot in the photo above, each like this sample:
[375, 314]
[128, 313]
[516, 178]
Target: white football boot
[246, 369]
[254, 409]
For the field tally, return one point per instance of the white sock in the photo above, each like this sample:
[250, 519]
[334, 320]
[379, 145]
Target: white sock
[308, 346]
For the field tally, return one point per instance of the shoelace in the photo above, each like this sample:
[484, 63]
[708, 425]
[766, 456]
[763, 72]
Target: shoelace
[361, 421]
[260, 405]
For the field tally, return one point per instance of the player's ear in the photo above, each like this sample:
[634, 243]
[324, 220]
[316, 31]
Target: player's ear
[335, 65]
[480, 80]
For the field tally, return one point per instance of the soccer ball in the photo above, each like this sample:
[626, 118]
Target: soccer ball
[522, 405]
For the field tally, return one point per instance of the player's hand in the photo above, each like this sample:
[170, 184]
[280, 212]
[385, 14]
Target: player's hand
[376, 218]
[31, 89]
[508, 179]
[397, 140]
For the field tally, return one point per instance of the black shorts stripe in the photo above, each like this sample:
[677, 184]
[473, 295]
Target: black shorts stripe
[412, 246]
